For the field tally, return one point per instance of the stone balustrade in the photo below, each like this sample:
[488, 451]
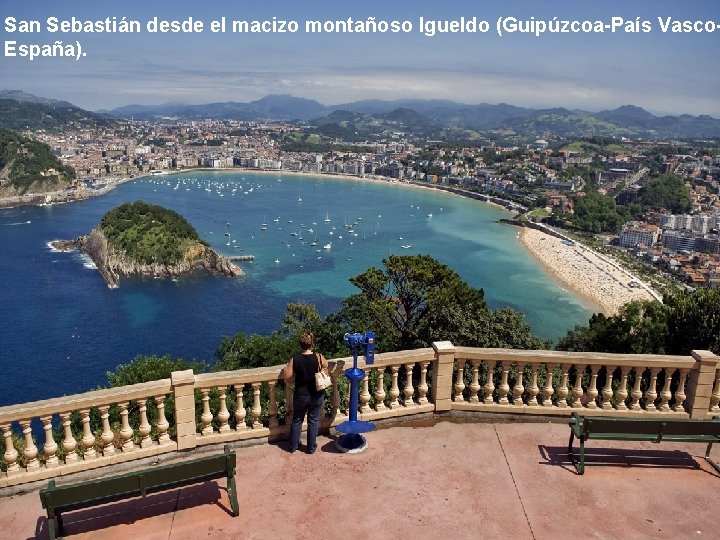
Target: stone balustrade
[106, 427]
[69, 443]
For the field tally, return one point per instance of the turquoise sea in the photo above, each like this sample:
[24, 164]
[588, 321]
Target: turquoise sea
[62, 328]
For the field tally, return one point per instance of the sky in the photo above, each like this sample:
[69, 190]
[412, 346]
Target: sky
[665, 73]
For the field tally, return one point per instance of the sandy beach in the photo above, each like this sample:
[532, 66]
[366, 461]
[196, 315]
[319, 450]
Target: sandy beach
[585, 272]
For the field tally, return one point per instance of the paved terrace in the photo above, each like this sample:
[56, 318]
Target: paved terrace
[459, 480]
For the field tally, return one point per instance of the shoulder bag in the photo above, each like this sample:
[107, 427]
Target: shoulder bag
[322, 377]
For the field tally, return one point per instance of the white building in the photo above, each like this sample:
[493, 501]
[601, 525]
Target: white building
[634, 233]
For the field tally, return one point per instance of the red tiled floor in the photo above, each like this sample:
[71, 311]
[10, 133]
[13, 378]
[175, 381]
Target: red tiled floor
[455, 480]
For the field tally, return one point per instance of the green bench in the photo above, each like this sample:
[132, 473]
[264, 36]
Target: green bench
[57, 499]
[640, 429]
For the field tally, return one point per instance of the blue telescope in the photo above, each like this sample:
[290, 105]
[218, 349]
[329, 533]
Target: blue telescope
[352, 440]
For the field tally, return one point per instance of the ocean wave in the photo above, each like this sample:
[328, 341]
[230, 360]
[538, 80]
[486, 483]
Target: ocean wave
[28, 222]
[52, 248]
[87, 261]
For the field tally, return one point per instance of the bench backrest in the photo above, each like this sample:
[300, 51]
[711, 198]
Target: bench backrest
[138, 482]
[639, 426]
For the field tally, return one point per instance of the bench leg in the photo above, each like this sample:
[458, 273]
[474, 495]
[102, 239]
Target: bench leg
[578, 464]
[232, 492]
[710, 461]
[51, 527]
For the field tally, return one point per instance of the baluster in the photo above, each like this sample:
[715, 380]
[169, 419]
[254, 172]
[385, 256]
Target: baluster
[257, 408]
[607, 391]
[489, 387]
[240, 411]
[409, 390]
[680, 393]
[562, 391]
[162, 425]
[548, 389]
[636, 393]
[380, 390]
[533, 389]
[336, 392]
[460, 381]
[715, 396]
[621, 393]
[50, 447]
[30, 452]
[475, 383]
[272, 406]
[289, 401]
[107, 435]
[144, 429]
[223, 413]
[504, 387]
[666, 395]
[69, 443]
[592, 391]
[394, 390]
[518, 389]
[577, 390]
[88, 439]
[10, 456]
[126, 431]
[423, 386]
[206, 417]
[364, 395]
[651, 392]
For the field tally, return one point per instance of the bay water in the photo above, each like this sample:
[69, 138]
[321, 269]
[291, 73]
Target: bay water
[62, 328]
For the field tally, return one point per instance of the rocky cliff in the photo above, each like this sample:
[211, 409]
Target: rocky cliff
[113, 263]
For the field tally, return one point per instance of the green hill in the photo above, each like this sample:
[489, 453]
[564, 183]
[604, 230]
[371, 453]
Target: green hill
[27, 115]
[150, 234]
[29, 166]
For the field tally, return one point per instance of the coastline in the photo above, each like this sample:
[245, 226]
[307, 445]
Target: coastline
[586, 273]
[67, 196]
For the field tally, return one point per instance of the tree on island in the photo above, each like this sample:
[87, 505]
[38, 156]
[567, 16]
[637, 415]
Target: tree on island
[148, 233]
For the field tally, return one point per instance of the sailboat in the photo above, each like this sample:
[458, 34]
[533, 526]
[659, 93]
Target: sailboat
[327, 218]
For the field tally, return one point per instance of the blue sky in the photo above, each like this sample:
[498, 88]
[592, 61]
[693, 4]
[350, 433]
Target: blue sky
[664, 73]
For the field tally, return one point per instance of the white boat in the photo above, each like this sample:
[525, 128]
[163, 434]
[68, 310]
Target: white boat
[277, 261]
[263, 227]
[327, 218]
[406, 246]
[328, 246]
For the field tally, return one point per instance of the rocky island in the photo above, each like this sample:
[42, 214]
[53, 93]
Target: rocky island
[145, 239]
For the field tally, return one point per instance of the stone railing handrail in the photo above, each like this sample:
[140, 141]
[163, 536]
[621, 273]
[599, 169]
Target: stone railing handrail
[584, 358]
[64, 435]
[94, 398]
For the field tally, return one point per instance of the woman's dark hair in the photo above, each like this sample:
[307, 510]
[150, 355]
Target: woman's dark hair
[307, 339]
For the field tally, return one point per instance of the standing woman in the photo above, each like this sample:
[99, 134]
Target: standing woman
[306, 398]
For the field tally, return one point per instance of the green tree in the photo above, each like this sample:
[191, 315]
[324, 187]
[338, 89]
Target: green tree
[242, 351]
[416, 300]
[597, 213]
[150, 368]
[665, 192]
[693, 321]
[683, 322]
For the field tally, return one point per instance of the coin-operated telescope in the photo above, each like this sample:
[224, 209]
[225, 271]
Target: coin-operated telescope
[352, 440]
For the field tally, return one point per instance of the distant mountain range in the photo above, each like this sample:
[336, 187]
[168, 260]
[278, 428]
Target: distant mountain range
[413, 115]
[20, 110]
